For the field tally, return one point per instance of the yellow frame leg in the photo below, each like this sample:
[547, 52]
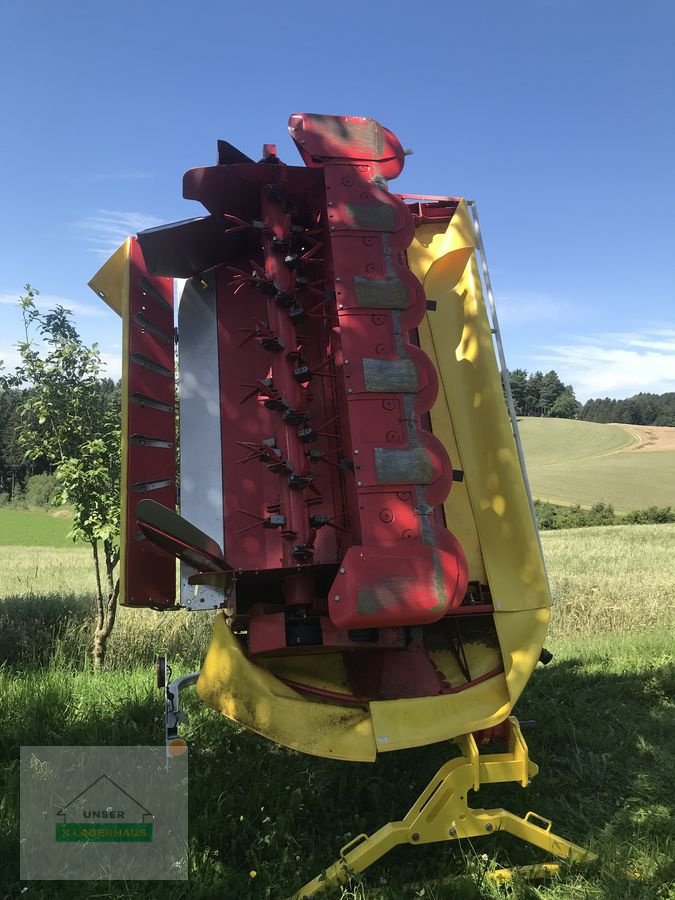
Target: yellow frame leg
[442, 813]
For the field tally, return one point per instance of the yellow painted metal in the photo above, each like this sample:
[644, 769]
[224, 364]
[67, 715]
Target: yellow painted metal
[529, 873]
[442, 813]
[253, 696]
[111, 284]
[488, 512]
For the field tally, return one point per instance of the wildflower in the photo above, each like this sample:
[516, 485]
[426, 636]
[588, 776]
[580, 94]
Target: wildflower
[252, 873]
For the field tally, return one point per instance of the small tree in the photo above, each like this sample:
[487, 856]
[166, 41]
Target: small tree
[72, 421]
[566, 406]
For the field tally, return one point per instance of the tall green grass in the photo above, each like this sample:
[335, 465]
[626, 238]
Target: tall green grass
[611, 580]
[616, 580]
[605, 741]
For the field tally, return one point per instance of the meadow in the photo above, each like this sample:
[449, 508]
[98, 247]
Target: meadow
[605, 740]
[572, 462]
[34, 528]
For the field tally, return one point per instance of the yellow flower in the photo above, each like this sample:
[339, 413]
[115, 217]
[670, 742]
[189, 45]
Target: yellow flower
[252, 873]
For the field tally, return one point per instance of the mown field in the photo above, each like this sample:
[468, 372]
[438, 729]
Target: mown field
[31, 528]
[605, 740]
[583, 462]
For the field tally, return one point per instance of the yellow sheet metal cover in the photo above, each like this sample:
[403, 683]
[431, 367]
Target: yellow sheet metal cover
[471, 413]
[111, 282]
[253, 696]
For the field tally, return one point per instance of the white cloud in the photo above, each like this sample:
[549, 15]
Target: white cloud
[615, 364]
[49, 301]
[528, 307]
[10, 359]
[112, 365]
[107, 228]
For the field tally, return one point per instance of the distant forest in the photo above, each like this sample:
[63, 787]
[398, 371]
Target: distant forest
[641, 409]
[540, 394]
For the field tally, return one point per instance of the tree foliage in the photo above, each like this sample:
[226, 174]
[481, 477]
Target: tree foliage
[640, 409]
[551, 517]
[543, 395]
[69, 422]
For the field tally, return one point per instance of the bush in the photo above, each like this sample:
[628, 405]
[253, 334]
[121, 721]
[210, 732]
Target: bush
[654, 515]
[551, 517]
[40, 490]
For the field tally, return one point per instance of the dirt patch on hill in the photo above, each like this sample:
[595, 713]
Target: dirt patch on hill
[650, 438]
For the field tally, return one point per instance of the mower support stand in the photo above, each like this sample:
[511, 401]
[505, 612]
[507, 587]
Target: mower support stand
[442, 814]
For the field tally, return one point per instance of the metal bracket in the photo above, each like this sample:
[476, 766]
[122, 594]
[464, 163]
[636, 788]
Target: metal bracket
[173, 714]
[205, 597]
[442, 813]
[196, 597]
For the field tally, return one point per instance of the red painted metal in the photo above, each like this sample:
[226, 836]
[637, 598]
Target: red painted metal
[149, 572]
[395, 586]
[407, 569]
[333, 483]
[394, 674]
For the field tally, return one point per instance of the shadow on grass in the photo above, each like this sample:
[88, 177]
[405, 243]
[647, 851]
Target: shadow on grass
[605, 745]
[35, 628]
[49, 630]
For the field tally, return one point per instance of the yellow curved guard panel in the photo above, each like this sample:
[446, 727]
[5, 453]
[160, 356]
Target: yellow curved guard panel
[488, 512]
[252, 696]
[490, 507]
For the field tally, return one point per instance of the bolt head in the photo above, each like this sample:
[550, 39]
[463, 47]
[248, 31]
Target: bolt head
[452, 832]
[415, 836]
[342, 570]
[488, 827]
[337, 598]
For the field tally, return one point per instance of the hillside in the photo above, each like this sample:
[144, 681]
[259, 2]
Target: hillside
[583, 462]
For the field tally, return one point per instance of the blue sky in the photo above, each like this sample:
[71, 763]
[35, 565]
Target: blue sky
[556, 116]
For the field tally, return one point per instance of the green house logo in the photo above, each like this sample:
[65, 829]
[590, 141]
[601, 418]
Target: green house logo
[104, 812]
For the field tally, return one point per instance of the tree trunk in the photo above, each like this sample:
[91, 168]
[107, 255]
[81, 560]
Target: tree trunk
[106, 608]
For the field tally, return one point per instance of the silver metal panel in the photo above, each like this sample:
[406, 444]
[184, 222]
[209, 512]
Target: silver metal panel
[201, 474]
[398, 376]
[403, 466]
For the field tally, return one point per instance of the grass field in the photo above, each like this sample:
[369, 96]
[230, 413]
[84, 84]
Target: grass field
[583, 462]
[34, 528]
[605, 741]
